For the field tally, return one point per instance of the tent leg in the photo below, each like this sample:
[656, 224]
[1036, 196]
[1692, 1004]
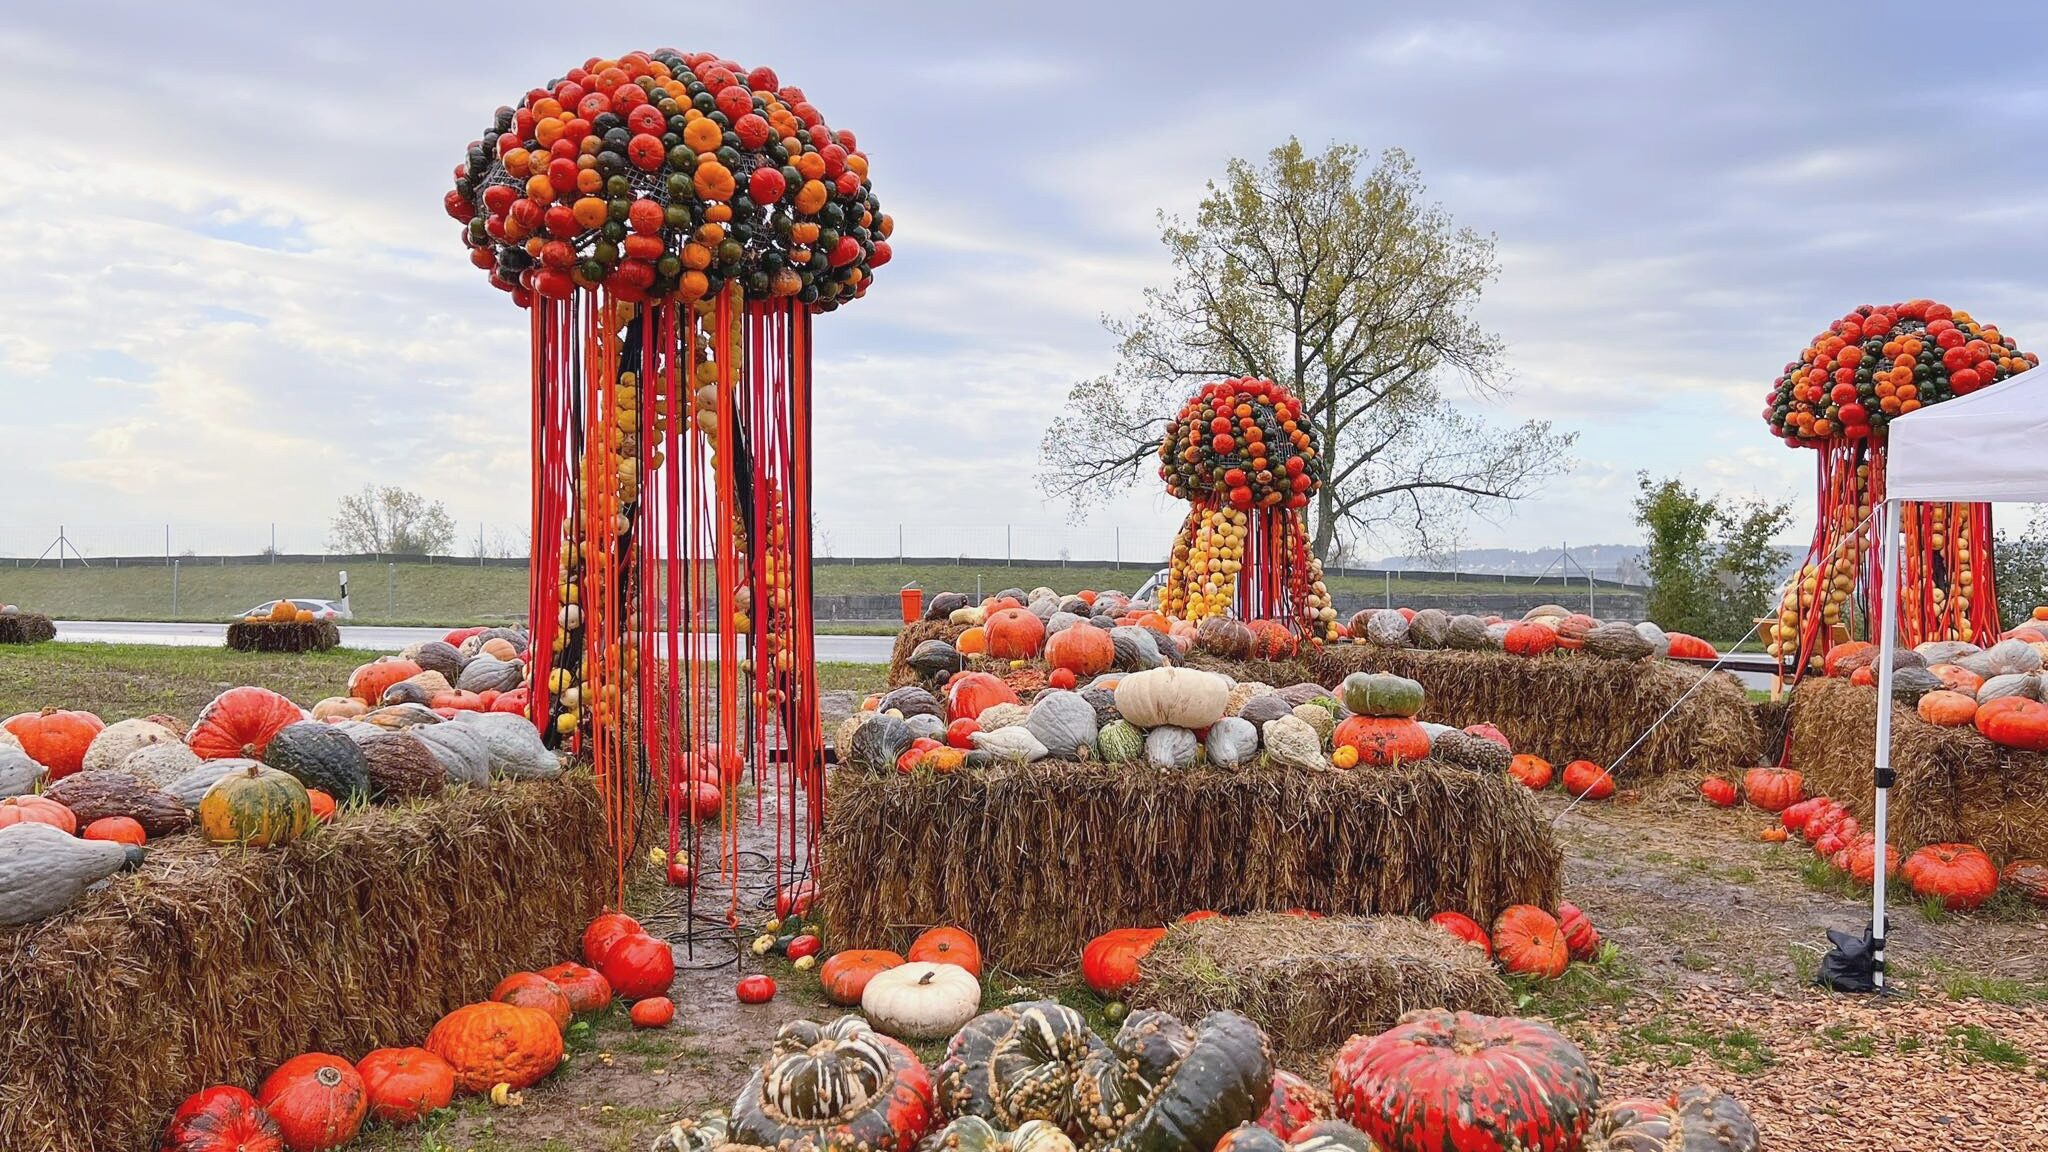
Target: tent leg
[1888, 640]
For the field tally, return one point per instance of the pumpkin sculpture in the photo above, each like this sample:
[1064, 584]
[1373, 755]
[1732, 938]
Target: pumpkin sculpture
[258, 808]
[222, 1119]
[1528, 941]
[1161, 1084]
[1693, 1120]
[1961, 876]
[834, 1086]
[55, 738]
[317, 1100]
[1465, 1081]
[1109, 963]
[491, 1043]
[404, 1084]
[1016, 1064]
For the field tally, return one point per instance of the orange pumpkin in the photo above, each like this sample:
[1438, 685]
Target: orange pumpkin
[1528, 941]
[1961, 876]
[37, 810]
[1586, 780]
[969, 694]
[404, 1084]
[533, 990]
[322, 805]
[973, 641]
[1948, 709]
[55, 737]
[2015, 722]
[1719, 791]
[1464, 928]
[491, 1043]
[368, 682]
[119, 829]
[1082, 649]
[1831, 664]
[845, 976]
[318, 1101]
[1015, 634]
[1109, 963]
[947, 946]
[604, 931]
[653, 1012]
[1773, 789]
[1957, 678]
[1382, 740]
[239, 723]
[2027, 877]
[1532, 772]
[586, 988]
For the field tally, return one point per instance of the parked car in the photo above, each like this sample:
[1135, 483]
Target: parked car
[1150, 589]
[321, 609]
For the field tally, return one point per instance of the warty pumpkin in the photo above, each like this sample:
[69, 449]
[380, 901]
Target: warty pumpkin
[95, 795]
[1463, 1080]
[258, 808]
[1161, 1084]
[974, 1134]
[404, 1084]
[56, 738]
[491, 1043]
[400, 766]
[1382, 741]
[113, 743]
[317, 1100]
[239, 723]
[1692, 1120]
[1015, 1065]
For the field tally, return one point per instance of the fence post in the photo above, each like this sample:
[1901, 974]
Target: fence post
[273, 541]
[174, 589]
[1389, 574]
[899, 543]
[391, 591]
[1006, 546]
[1119, 548]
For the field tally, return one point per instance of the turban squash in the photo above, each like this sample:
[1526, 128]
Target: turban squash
[1015, 1065]
[836, 1085]
[1163, 1085]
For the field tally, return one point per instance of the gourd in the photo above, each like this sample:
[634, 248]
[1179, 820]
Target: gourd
[19, 774]
[1161, 1084]
[1290, 742]
[840, 1085]
[238, 724]
[1232, 742]
[320, 757]
[934, 658]
[1170, 747]
[459, 751]
[925, 726]
[487, 1044]
[911, 700]
[919, 1000]
[1083, 651]
[974, 1134]
[1617, 641]
[1012, 743]
[438, 656]
[1429, 628]
[1180, 697]
[1380, 694]
[1002, 716]
[1660, 641]
[1263, 707]
[160, 764]
[258, 807]
[318, 1101]
[114, 742]
[44, 868]
[1529, 941]
[1462, 1080]
[56, 738]
[1910, 684]
[404, 1084]
[1272, 640]
[1961, 876]
[1321, 719]
[1120, 741]
[1064, 723]
[488, 673]
[1468, 751]
[223, 1118]
[1383, 741]
[1136, 649]
[1015, 1065]
[401, 767]
[2011, 684]
[1692, 1120]
[1387, 628]
[943, 605]
[95, 795]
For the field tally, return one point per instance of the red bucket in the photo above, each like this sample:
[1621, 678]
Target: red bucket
[913, 604]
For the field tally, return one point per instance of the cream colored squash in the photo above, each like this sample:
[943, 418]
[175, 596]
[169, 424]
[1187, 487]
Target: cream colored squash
[1181, 697]
[114, 742]
[920, 1001]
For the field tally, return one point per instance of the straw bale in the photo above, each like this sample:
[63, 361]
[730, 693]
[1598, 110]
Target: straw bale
[26, 628]
[283, 635]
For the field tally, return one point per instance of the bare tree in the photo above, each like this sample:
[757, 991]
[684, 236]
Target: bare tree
[391, 521]
[1355, 292]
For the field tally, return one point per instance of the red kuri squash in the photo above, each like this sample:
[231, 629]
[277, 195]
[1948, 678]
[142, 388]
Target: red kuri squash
[1528, 941]
[222, 1119]
[404, 1084]
[318, 1101]
[1960, 875]
[1109, 963]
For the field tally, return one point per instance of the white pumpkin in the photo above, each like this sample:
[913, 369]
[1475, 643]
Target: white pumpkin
[1012, 743]
[1180, 697]
[114, 742]
[921, 1001]
[159, 764]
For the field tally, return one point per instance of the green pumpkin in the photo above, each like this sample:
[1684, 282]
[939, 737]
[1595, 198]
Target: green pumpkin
[259, 808]
[1381, 694]
[321, 756]
[1120, 741]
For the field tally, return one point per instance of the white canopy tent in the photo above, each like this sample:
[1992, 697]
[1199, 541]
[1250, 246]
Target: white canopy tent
[1989, 446]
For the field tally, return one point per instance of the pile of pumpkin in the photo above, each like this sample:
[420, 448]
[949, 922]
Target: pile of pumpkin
[1169, 717]
[1033, 1077]
[1016, 631]
[468, 670]
[1542, 630]
[2002, 690]
[497, 1048]
[1960, 876]
[283, 612]
[80, 798]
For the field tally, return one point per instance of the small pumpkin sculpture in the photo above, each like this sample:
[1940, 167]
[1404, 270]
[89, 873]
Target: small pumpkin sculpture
[1528, 941]
[1692, 1120]
[491, 1043]
[404, 1084]
[318, 1101]
[1463, 1080]
[1161, 1084]
[1109, 962]
[840, 1085]
[920, 1000]
[259, 808]
[1961, 876]
[56, 738]
[1015, 1065]
[845, 975]
[222, 1118]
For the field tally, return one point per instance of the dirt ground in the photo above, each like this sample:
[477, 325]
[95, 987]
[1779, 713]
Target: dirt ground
[1714, 937]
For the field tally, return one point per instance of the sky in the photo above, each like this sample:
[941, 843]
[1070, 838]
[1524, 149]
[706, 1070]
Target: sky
[230, 293]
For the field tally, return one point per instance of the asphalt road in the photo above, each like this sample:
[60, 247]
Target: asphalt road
[833, 649]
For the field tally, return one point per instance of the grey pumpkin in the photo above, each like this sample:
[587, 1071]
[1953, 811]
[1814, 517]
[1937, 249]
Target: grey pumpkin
[43, 869]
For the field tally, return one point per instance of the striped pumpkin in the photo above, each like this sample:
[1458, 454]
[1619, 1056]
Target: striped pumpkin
[1162, 1086]
[1016, 1064]
[1465, 1081]
[836, 1085]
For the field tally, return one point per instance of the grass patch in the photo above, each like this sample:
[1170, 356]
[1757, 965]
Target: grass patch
[1932, 909]
[1670, 1042]
[1983, 1044]
[1842, 1038]
[1822, 876]
[1583, 990]
[1959, 985]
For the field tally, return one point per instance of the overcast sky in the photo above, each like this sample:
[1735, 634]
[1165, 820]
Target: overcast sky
[230, 293]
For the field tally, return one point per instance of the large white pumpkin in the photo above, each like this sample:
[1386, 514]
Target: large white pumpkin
[921, 1001]
[1182, 697]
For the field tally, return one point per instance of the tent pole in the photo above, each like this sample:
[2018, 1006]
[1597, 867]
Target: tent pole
[1888, 640]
